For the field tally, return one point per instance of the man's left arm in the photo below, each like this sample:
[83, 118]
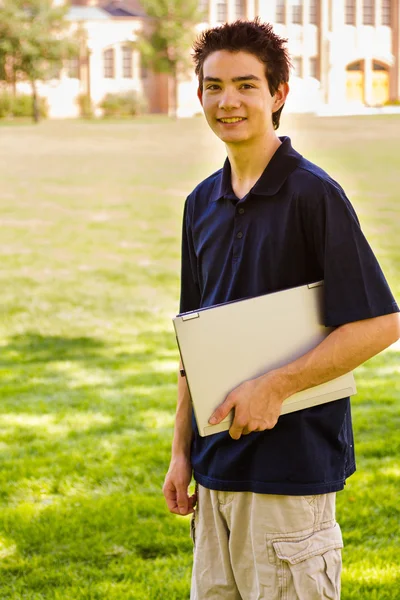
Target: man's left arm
[257, 403]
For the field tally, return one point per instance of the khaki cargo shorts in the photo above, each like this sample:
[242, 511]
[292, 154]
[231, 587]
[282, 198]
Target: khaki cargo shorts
[265, 547]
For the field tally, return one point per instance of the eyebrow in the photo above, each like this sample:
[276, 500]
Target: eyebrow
[234, 79]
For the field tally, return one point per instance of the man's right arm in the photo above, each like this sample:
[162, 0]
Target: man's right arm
[179, 474]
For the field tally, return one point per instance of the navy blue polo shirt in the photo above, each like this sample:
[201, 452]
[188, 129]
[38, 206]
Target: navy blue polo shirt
[295, 226]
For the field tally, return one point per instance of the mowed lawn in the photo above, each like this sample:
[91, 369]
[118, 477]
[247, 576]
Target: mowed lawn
[90, 217]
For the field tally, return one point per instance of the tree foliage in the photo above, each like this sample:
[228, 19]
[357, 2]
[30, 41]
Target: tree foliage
[168, 34]
[34, 41]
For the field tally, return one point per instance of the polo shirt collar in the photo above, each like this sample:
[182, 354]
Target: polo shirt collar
[282, 163]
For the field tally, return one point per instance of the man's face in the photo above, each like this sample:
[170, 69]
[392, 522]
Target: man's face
[236, 99]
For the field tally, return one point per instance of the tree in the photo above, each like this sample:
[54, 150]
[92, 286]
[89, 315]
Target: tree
[167, 37]
[34, 41]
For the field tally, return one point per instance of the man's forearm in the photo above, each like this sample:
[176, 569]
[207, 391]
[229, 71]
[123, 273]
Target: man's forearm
[343, 350]
[257, 403]
[179, 475]
[183, 421]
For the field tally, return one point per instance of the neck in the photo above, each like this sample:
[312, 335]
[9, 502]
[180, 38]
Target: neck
[249, 161]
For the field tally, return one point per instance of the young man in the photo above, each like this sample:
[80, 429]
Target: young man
[265, 517]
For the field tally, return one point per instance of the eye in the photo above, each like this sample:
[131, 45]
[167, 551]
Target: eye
[212, 87]
[247, 86]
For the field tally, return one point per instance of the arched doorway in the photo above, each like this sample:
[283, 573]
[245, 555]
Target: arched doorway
[355, 82]
[380, 84]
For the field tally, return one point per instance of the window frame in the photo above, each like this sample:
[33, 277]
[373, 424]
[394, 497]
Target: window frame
[221, 4]
[297, 12]
[109, 63]
[127, 53]
[350, 12]
[204, 8]
[313, 67]
[240, 9]
[368, 12]
[313, 12]
[280, 12]
[386, 13]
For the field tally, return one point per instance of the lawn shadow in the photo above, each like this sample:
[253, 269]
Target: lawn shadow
[33, 347]
[94, 409]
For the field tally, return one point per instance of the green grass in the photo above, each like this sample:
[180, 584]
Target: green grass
[90, 226]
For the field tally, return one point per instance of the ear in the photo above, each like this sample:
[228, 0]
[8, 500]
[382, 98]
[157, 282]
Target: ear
[280, 95]
[200, 95]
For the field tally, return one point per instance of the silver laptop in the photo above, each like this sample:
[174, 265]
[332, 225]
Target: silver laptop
[224, 345]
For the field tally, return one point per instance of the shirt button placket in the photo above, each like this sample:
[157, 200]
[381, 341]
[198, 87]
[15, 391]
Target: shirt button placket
[239, 234]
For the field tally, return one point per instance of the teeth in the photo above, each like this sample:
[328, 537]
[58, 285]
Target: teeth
[232, 120]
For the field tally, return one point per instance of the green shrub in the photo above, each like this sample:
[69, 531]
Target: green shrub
[5, 105]
[124, 104]
[392, 103]
[85, 106]
[20, 105]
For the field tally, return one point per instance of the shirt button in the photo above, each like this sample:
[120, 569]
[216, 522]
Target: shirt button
[239, 235]
[241, 211]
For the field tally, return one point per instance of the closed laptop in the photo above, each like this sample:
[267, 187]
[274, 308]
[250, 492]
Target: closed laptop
[224, 345]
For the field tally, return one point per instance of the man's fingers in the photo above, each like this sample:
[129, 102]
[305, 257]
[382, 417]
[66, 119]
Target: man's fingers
[236, 430]
[241, 425]
[177, 499]
[222, 411]
[170, 497]
[183, 508]
[238, 426]
[182, 500]
[192, 503]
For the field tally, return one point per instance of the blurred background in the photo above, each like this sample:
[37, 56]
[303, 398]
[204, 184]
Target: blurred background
[345, 53]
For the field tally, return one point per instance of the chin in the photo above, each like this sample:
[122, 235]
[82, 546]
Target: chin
[234, 136]
[234, 139]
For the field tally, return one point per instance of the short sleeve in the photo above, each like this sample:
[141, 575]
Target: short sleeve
[190, 292]
[355, 286]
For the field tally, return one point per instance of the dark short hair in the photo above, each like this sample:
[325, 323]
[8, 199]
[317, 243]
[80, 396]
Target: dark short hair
[253, 37]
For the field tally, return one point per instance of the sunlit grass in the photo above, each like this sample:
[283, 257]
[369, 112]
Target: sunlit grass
[89, 249]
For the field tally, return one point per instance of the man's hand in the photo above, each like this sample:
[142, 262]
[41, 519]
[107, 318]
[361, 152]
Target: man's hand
[176, 485]
[256, 403]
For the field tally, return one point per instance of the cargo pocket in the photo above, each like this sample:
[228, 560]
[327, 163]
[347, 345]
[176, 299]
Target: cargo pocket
[313, 565]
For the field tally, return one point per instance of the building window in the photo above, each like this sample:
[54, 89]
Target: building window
[313, 12]
[222, 11]
[350, 14]
[386, 15]
[240, 9]
[73, 67]
[127, 62]
[369, 12]
[203, 9]
[378, 66]
[314, 67]
[297, 12]
[297, 63]
[355, 66]
[108, 57]
[280, 15]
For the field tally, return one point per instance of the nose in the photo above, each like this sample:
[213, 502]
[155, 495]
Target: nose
[229, 100]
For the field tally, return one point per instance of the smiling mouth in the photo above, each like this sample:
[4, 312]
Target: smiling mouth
[231, 119]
